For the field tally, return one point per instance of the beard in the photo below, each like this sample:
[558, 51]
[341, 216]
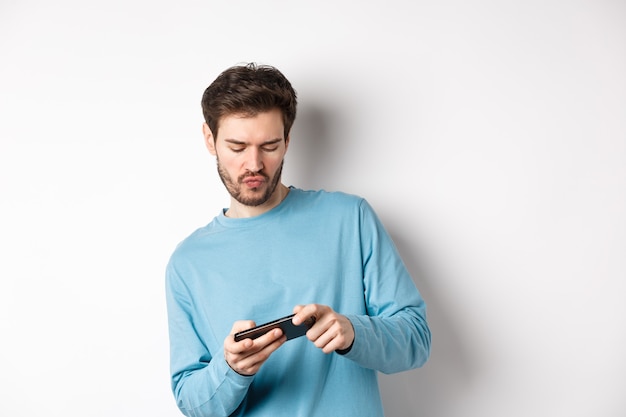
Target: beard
[254, 196]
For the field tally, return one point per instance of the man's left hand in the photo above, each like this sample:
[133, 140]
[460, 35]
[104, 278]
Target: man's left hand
[332, 331]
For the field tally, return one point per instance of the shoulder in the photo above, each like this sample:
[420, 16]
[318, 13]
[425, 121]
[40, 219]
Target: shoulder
[330, 198]
[197, 239]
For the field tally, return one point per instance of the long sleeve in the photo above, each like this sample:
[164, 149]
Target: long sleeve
[203, 386]
[394, 335]
[315, 247]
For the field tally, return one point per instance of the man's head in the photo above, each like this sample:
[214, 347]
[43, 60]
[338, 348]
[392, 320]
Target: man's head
[249, 111]
[247, 90]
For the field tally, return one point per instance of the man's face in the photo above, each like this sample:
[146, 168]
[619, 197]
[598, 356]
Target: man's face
[250, 153]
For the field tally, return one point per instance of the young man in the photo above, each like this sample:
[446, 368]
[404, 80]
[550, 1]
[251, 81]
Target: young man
[278, 250]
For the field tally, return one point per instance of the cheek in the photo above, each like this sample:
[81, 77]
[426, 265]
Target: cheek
[273, 163]
[227, 160]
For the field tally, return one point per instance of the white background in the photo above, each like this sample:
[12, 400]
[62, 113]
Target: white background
[490, 136]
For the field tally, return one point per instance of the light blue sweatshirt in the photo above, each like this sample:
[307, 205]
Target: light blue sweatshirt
[315, 247]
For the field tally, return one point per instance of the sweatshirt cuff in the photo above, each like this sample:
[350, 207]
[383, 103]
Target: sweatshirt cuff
[235, 379]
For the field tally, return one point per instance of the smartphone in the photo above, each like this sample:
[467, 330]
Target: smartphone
[284, 323]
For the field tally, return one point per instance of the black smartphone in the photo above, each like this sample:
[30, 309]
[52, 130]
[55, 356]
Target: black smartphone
[284, 323]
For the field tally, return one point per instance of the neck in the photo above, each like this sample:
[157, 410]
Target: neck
[238, 210]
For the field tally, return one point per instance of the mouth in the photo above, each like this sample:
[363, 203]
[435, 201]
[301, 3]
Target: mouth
[254, 181]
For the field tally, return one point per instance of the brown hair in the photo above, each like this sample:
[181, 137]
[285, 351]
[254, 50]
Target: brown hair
[248, 90]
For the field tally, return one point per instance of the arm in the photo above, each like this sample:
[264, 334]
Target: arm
[204, 384]
[394, 335]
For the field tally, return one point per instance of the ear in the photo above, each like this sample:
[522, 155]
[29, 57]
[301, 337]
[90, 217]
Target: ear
[209, 141]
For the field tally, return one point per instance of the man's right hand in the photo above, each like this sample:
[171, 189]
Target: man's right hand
[247, 356]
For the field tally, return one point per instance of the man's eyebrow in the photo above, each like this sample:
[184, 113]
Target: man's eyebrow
[240, 142]
[235, 141]
[272, 141]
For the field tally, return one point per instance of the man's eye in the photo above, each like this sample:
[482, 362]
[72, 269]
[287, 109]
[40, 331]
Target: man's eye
[270, 148]
[237, 150]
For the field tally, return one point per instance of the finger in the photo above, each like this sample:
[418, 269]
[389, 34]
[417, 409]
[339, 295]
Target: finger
[266, 350]
[268, 338]
[309, 310]
[252, 346]
[320, 334]
[329, 341]
[251, 363]
[333, 332]
[299, 317]
[233, 347]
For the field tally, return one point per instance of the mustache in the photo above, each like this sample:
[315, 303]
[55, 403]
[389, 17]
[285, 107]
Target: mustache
[252, 174]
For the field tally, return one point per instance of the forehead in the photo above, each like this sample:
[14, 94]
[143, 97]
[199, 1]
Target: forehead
[261, 126]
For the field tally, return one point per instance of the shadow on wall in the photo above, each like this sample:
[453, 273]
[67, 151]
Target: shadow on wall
[449, 372]
[314, 149]
[320, 140]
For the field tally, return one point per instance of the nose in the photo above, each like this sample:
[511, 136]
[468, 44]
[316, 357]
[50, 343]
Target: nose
[254, 160]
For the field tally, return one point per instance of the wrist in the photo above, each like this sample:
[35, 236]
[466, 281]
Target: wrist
[346, 350]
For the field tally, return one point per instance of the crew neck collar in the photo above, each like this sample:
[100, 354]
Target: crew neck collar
[246, 221]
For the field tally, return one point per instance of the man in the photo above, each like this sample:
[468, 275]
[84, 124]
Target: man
[277, 250]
